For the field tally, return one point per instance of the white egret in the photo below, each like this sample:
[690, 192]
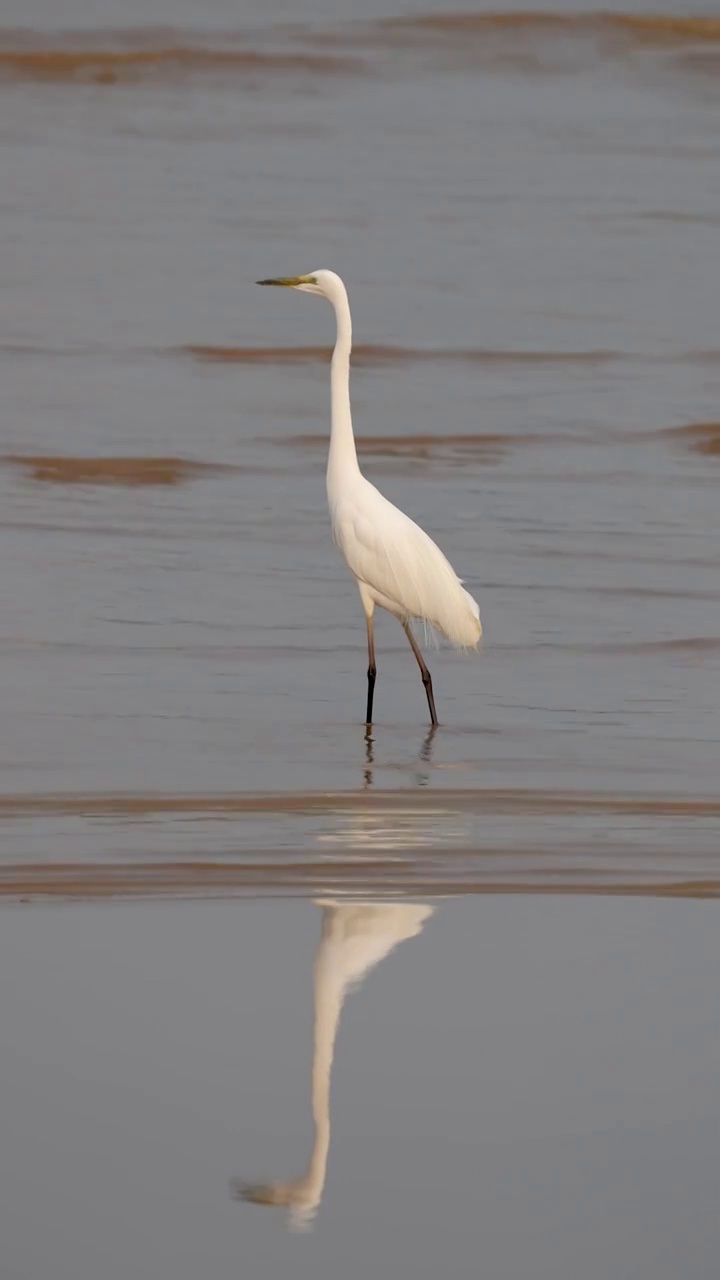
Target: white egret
[394, 562]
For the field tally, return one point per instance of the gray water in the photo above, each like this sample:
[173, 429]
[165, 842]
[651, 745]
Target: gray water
[524, 1088]
[526, 213]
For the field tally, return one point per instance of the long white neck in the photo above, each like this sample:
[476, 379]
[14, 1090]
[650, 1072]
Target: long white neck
[342, 457]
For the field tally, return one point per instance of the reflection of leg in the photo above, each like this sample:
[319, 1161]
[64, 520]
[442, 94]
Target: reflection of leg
[367, 774]
[372, 670]
[426, 677]
[426, 748]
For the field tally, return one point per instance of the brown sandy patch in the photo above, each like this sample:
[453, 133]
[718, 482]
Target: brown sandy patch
[700, 437]
[487, 448]
[525, 38]
[500, 801]
[374, 354]
[109, 471]
[370, 354]
[62, 63]
[483, 448]
[480, 447]
[647, 28]
[162, 55]
[84, 882]
[259, 355]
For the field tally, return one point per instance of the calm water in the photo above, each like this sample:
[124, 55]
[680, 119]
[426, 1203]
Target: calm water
[526, 213]
[519, 1089]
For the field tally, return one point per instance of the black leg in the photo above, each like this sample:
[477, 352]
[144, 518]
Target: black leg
[426, 677]
[372, 672]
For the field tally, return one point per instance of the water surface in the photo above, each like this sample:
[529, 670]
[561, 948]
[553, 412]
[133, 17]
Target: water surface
[525, 210]
[522, 1087]
[523, 1081]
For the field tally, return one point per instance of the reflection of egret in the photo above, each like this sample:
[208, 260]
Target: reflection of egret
[355, 937]
[394, 562]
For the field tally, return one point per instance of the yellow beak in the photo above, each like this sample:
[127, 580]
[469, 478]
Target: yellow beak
[289, 282]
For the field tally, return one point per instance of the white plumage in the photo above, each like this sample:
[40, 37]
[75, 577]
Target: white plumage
[400, 567]
[395, 563]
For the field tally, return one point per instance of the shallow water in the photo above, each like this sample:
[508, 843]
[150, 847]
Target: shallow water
[525, 210]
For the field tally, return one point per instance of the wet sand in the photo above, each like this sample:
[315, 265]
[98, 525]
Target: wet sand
[272, 878]
[391, 841]
[122, 471]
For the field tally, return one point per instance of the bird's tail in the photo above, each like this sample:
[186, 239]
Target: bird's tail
[458, 617]
[475, 611]
[467, 627]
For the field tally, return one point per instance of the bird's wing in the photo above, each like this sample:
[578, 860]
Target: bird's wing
[385, 549]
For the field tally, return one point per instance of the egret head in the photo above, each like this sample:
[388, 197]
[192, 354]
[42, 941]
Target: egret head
[324, 283]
